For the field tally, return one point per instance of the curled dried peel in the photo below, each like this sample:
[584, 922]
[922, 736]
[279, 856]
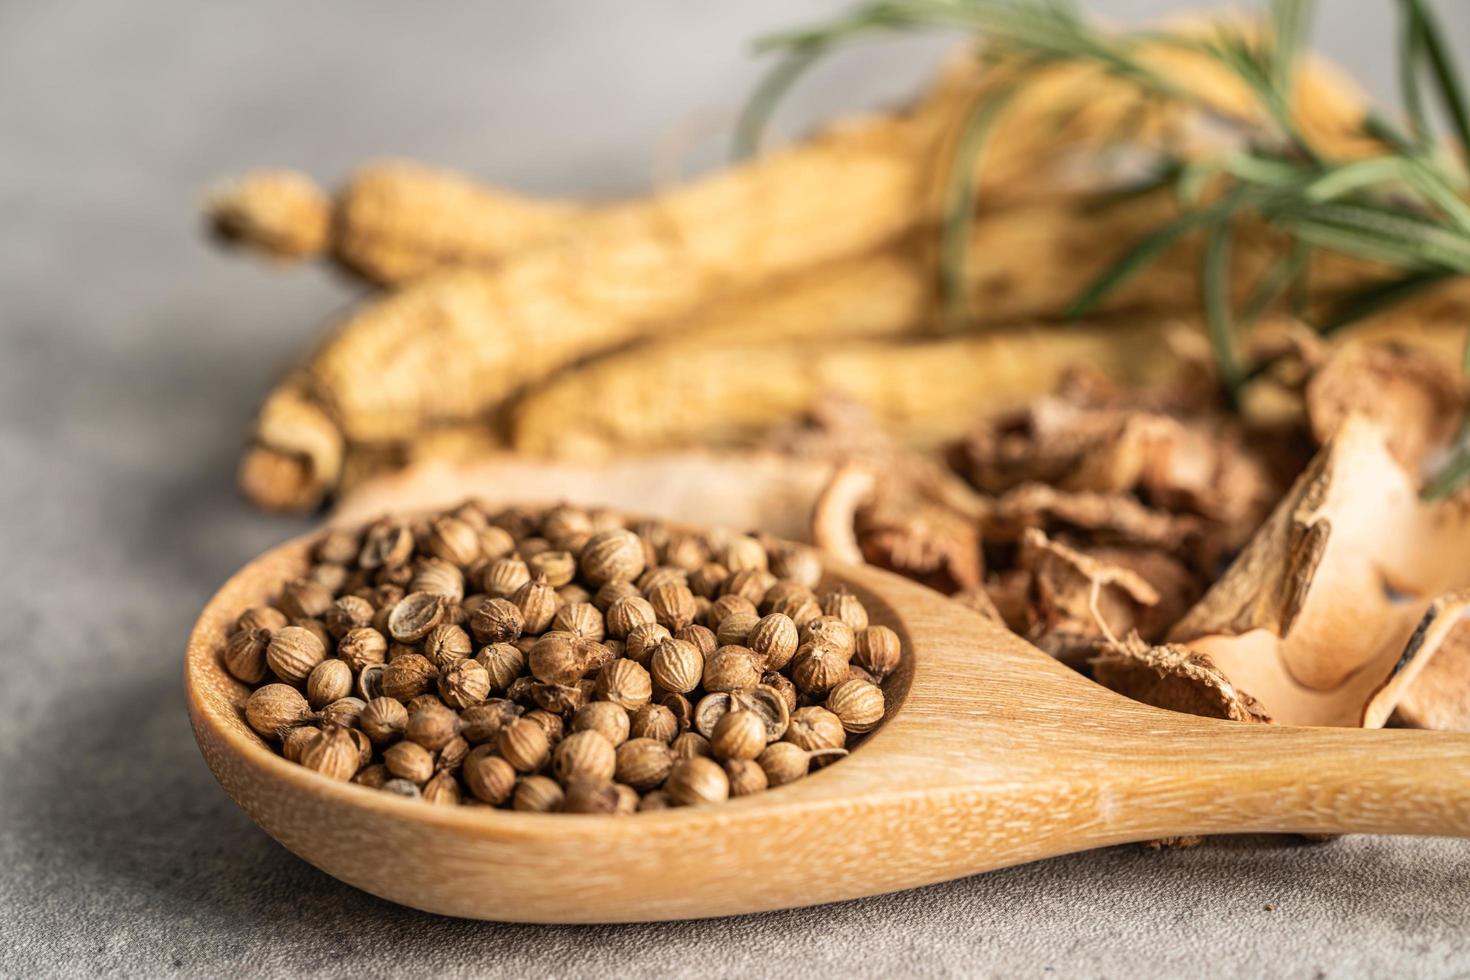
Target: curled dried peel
[1414, 396]
[1439, 697]
[904, 514]
[1172, 677]
[1344, 595]
[1077, 601]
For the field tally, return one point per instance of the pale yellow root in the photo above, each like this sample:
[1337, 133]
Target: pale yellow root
[455, 345]
[921, 392]
[394, 220]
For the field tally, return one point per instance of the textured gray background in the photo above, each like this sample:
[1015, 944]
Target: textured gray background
[131, 357]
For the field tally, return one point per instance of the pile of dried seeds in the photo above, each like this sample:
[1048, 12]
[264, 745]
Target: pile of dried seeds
[560, 661]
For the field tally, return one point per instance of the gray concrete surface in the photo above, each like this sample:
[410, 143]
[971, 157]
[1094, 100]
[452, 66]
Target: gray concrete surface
[130, 359]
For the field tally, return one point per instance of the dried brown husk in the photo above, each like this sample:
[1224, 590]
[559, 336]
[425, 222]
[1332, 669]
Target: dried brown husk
[1172, 677]
[1345, 595]
[1091, 439]
[1414, 396]
[1077, 601]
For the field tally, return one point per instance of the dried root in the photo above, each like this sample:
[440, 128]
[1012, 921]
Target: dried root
[921, 392]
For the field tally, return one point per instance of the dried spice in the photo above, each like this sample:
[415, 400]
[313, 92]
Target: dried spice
[587, 705]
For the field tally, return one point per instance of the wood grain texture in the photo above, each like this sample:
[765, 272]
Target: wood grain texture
[993, 754]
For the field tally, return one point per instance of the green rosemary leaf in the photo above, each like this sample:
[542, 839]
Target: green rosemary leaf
[750, 128]
[959, 200]
[1410, 64]
[1215, 283]
[1275, 283]
[1371, 232]
[1450, 477]
[1379, 296]
[1138, 258]
[1265, 171]
[1442, 67]
[1399, 173]
[1290, 20]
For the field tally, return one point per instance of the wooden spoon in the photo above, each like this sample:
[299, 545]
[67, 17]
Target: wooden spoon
[993, 754]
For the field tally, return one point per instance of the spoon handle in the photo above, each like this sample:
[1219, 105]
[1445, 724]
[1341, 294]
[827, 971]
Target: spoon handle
[1232, 778]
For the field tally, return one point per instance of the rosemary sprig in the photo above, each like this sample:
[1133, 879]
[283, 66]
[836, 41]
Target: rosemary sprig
[1405, 207]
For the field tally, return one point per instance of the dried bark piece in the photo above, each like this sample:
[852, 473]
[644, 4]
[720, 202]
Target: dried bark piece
[910, 519]
[1416, 398]
[1343, 597]
[1172, 677]
[1439, 697]
[1101, 518]
[1089, 438]
[1078, 601]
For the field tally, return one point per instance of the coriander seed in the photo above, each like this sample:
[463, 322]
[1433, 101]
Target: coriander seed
[488, 776]
[580, 619]
[410, 761]
[606, 718]
[431, 725]
[293, 652]
[746, 777]
[295, 741]
[361, 647]
[261, 618]
[816, 728]
[383, 720]
[537, 602]
[641, 642]
[348, 613]
[334, 753]
[415, 615]
[504, 576]
[689, 745]
[464, 683]
[818, 669]
[558, 568]
[774, 638]
[244, 655]
[503, 663]
[738, 735]
[408, 676]
[614, 555]
[857, 704]
[585, 795]
[482, 722]
[537, 794]
[697, 780]
[524, 745]
[643, 763]
[453, 540]
[442, 789]
[677, 666]
[877, 650]
[447, 643]
[274, 708]
[653, 721]
[584, 755]
[328, 681]
[625, 684]
[732, 668]
[497, 620]
[628, 613]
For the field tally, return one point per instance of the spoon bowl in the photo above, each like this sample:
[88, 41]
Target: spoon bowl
[992, 754]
